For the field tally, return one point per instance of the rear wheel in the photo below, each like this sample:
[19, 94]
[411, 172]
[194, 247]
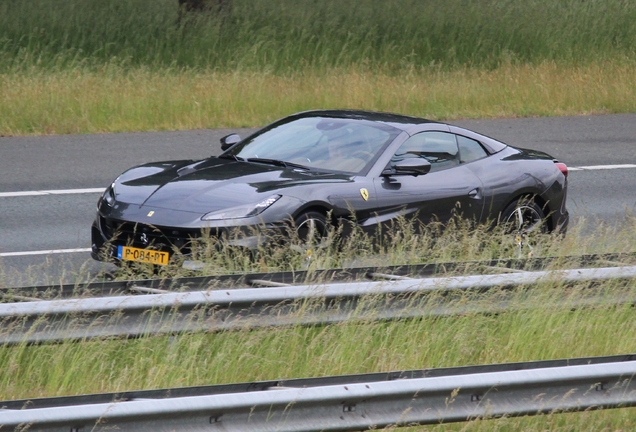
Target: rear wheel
[525, 220]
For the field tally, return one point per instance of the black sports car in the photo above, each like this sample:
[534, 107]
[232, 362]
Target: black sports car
[318, 168]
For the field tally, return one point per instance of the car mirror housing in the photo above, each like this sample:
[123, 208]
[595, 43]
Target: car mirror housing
[412, 166]
[229, 140]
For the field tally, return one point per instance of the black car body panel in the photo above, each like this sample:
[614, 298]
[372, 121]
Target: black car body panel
[289, 167]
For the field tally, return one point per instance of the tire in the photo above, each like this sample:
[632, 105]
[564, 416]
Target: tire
[523, 219]
[311, 227]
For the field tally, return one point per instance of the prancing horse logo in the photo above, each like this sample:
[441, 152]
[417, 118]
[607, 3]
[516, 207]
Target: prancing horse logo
[364, 193]
[144, 238]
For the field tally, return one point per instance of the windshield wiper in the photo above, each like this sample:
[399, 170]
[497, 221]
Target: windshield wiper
[278, 163]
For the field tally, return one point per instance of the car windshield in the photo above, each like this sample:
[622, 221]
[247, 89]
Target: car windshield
[324, 143]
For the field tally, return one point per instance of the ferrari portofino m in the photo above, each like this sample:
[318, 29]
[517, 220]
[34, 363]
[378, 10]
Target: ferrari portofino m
[315, 169]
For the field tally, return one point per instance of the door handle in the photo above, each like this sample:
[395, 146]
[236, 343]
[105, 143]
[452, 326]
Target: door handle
[475, 194]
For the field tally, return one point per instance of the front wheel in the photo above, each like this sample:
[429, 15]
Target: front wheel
[311, 227]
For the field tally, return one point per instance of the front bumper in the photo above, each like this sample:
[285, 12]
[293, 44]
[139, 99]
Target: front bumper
[108, 234]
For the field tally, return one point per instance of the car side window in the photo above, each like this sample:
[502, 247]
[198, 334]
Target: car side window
[470, 150]
[439, 148]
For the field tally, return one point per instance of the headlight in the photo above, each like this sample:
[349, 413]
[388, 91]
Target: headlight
[109, 195]
[243, 211]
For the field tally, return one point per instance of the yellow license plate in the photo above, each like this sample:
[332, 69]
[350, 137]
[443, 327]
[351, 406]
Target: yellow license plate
[128, 253]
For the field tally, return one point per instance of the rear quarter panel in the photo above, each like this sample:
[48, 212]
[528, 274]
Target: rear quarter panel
[510, 173]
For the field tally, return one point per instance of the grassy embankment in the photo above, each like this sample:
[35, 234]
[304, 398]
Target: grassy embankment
[535, 327]
[119, 65]
[90, 102]
[84, 67]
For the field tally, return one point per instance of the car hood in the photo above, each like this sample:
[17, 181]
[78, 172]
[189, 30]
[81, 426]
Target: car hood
[212, 184]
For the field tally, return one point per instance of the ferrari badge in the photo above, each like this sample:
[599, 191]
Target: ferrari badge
[150, 213]
[365, 194]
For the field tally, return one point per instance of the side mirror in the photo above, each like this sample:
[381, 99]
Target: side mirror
[229, 140]
[411, 166]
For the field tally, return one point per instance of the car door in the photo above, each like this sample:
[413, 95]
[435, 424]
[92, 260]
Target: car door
[449, 188]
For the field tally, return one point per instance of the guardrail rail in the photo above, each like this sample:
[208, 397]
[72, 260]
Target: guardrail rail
[212, 310]
[105, 288]
[352, 402]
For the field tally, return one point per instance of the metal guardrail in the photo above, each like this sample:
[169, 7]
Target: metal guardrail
[355, 402]
[200, 283]
[130, 316]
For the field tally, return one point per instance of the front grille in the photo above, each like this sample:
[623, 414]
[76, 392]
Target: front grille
[148, 236]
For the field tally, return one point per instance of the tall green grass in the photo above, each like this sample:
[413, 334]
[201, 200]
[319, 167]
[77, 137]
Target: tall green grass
[284, 35]
[116, 99]
[537, 326]
[91, 66]
[404, 243]
[545, 331]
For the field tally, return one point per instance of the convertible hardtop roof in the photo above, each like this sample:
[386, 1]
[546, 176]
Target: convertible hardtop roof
[398, 121]
[401, 122]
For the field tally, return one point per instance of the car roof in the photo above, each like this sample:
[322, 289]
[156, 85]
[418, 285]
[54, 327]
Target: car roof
[401, 122]
[398, 121]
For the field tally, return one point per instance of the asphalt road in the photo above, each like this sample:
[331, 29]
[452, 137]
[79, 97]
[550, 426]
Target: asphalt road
[36, 223]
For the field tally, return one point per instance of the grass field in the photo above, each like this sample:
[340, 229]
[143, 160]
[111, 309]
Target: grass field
[71, 66]
[283, 35]
[538, 329]
[115, 100]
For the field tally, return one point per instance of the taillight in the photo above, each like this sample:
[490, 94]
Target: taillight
[563, 168]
